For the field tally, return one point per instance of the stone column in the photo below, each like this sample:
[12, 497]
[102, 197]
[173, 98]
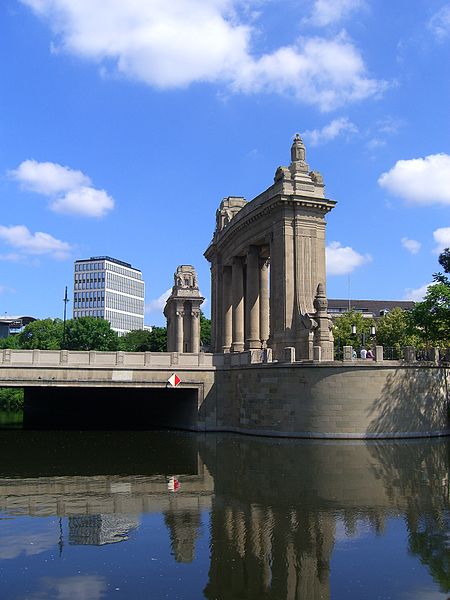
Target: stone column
[227, 309]
[195, 331]
[282, 284]
[238, 305]
[264, 301]
[179, 337]
[252, 338]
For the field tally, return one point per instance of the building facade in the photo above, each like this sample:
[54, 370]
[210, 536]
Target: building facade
[107, 288]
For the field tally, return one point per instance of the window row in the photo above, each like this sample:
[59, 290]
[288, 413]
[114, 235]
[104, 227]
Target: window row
[92, 285]
[89, 276]
[123, 271]
[100, 295]
[99, 314]
[89, 304]
[89, 266]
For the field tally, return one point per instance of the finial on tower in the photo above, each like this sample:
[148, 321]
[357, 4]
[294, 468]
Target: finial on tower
[298, 150]
[298, 156]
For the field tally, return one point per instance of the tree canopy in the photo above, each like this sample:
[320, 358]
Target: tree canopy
[89, 333]
[144, 340]
[45, 334]
[396, 330]
[342, 329]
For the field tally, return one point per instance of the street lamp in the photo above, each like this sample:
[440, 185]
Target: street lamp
[372, 334]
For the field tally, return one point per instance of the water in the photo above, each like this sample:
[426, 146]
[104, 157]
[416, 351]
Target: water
[153, 515]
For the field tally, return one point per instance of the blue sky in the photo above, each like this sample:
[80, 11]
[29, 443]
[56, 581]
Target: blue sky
[124, 124]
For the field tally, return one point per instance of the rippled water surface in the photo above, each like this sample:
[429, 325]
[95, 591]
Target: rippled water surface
[93, 515]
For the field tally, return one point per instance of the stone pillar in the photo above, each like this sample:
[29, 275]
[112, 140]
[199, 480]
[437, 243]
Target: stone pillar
[252, 337]
[264, 301]
[182, 311]
[195, 332]
[282, 322]
[227, 310]
[179, 337]
[238, 305]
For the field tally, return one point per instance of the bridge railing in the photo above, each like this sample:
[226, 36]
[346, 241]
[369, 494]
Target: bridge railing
[133, 360]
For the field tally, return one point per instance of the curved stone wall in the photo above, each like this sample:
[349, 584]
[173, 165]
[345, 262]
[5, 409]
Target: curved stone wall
[333, 401]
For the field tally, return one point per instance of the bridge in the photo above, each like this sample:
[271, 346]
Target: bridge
[237, 392]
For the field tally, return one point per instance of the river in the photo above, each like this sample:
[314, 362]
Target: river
[128, 515]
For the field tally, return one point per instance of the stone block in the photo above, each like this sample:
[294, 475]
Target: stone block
[289, 354]
[378, 353]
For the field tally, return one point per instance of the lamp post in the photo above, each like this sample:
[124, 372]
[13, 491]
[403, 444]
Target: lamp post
[363, 335]
[65, 300]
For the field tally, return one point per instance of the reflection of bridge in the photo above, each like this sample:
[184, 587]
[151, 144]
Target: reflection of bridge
[231, 392]
[69, 496]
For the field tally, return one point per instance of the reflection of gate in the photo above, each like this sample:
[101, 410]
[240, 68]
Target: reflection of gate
[283, 226]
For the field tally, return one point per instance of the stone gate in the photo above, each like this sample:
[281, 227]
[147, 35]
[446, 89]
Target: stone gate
[268, 267]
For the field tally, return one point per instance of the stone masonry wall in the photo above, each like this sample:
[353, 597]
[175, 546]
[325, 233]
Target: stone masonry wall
[333, 401]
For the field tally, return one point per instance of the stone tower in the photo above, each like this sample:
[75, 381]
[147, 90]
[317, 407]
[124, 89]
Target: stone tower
[268, 266]
[182, 312]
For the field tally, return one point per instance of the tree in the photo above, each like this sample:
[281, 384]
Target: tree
[89, 333]
[158, 339]
[395, 330]
[342, 329]
[45, 334]
[12, 341]
[444, 260]
[205, 330]
[139, 340]
[431, 317]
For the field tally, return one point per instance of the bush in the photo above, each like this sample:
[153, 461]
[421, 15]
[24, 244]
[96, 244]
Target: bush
[11, 399]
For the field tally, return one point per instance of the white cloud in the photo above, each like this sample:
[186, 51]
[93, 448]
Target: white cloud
[329, 132]
[174, 44]
[442, 239]
[20, 237]
[51, 180]
[416, 294]
[375, 143]
[158, 304]
[4, 289]
[85, 201]
[420, 180]
[326, 12]
[342, 260]
[412, 246]
[439, 23]
[48, 178]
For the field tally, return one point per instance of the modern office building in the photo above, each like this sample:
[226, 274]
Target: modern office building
[107, 288]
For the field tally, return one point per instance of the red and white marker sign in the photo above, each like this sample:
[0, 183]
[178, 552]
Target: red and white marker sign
[174, 380]
[173, 484]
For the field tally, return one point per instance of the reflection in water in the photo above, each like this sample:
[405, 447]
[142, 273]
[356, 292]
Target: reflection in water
[279, 514]
[97, 530]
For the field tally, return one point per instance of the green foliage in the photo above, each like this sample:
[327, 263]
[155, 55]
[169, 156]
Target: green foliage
[395, 330]
[205, 330]
[89, 333]
[158, 339]
[139, 340]
[12, 341]
[11, 399]
[431, 318]
[45, 334]
[342, 330]
[444, 260]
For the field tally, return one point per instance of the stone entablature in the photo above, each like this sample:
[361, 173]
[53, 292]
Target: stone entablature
[281, 231]
[182, 311]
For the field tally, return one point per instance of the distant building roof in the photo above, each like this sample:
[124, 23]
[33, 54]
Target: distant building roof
[108, 258]
[374, 308]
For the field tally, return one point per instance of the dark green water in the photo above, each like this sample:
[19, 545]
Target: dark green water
[93, 515]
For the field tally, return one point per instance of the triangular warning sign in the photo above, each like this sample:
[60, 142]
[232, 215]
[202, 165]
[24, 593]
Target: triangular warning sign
[174, 380]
